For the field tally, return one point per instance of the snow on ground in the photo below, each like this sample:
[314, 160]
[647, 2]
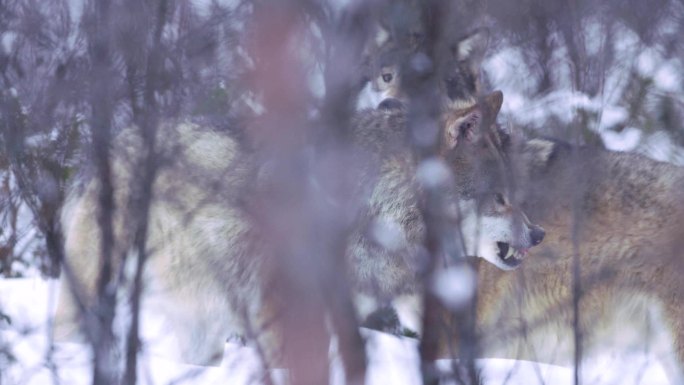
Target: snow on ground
[392, 360]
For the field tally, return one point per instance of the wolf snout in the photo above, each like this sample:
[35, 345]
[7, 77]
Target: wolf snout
[537, 235]
[391, 104]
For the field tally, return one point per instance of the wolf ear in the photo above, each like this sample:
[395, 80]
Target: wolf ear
[467, 125]
[378, 38]
[463, 127]
[381, 35]
[473, 46]
[538, 154]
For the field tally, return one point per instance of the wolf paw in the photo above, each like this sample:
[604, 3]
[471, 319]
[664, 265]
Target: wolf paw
[386, 320]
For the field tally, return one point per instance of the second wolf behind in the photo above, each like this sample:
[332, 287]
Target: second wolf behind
[459, 75]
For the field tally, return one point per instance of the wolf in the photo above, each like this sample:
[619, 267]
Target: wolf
[491, 227]
[205, 251]
[200, 242]
[620, 217]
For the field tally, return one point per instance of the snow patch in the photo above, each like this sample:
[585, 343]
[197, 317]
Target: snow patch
[668, 77]
[646, 61]
[391, 360]
[626, 140]
[612, 116]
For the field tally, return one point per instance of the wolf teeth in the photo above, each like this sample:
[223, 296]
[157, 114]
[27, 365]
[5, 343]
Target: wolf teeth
[510, 253]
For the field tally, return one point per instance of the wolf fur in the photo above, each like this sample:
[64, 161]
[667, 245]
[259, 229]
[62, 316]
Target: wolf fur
[621, 214]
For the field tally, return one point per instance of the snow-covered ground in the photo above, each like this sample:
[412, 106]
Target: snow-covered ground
[25, 357]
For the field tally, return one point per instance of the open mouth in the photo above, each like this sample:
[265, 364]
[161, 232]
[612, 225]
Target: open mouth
[509, 255]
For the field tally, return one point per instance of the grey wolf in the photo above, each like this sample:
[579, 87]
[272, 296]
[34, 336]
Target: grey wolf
[195, 212]
[621, 214]
[206, 252]
[483, 214]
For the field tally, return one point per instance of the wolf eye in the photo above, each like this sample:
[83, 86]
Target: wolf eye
[387, 78]
[499, 198]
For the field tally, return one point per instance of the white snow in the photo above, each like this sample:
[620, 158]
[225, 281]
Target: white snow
[668, 77]
[509, 70]
[392, 360]
[646, 61]
[612, 116]
[626, 140]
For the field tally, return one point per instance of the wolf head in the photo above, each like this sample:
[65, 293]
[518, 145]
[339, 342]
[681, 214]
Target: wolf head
[489, 222]
[459, 74]
[382, 63]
